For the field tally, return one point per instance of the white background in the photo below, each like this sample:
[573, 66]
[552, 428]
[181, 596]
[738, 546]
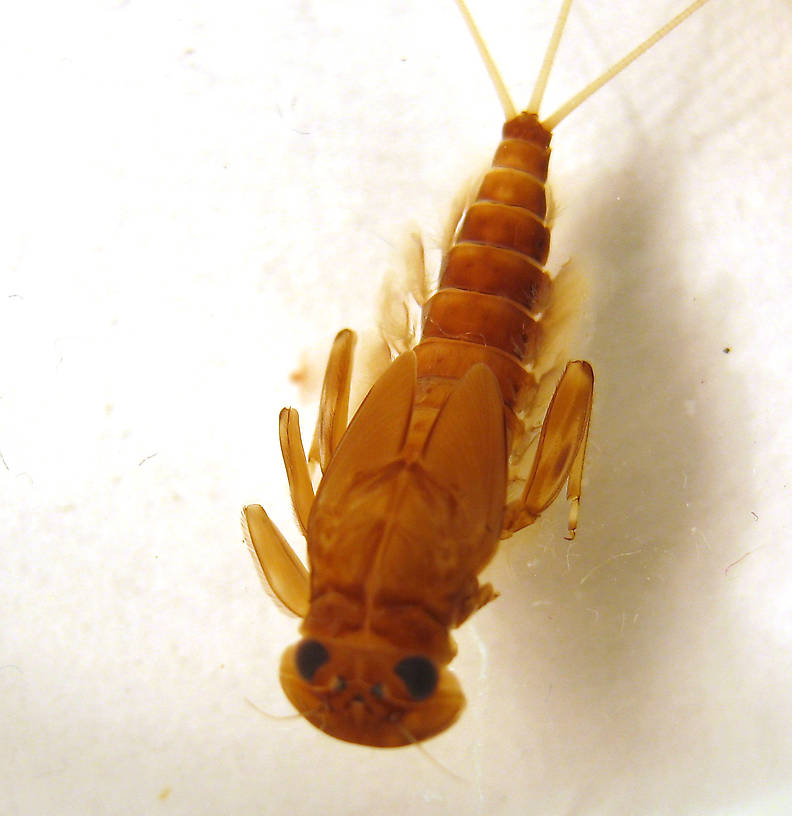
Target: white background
[195, 197]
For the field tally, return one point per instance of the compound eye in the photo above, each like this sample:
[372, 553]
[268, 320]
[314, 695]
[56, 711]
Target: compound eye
[419, 676]
[311, 654]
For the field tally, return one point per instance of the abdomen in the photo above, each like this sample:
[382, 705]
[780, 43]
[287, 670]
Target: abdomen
[493, 286]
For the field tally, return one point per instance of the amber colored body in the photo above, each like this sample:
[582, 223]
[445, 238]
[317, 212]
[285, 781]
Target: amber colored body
[413, 496]
[412, 502]
[487, 309]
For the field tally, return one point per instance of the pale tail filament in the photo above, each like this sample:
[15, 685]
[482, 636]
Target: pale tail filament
[492, 69]
[547, 63]
[579, 98]
[618, 67]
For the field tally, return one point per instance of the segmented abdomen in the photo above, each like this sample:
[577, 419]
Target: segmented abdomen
[493, 286]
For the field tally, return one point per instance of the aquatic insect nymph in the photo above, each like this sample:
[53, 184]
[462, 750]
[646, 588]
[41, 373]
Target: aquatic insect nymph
[413, 498]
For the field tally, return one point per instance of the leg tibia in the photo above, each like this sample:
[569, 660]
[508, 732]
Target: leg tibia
[560, 451]
[334, 403]
[283, 574]
[300, 487]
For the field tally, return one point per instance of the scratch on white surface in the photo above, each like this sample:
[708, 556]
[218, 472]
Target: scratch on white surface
[594, 612]
[741, 559]
[701, 540]
[568, 552]
[605, 562]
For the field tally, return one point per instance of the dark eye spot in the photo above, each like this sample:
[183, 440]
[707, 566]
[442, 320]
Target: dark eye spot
[419, 676]
[310, 656]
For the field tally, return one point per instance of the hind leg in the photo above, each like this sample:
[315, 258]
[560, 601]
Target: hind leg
[560, 452]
